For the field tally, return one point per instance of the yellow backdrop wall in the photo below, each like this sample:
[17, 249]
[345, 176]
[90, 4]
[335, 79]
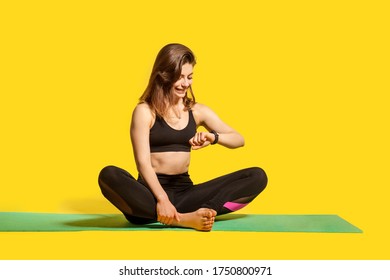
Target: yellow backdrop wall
[305, 82]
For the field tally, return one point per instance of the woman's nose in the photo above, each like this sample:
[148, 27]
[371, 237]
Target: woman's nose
[185, 82]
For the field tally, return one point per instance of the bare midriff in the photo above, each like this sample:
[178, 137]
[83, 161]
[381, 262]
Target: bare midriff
[170, 163]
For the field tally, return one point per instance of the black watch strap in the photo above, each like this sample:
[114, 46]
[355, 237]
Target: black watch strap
[215, 138]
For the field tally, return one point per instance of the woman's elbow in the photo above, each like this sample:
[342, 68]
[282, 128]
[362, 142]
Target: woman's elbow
[142, 164]
[239, 142]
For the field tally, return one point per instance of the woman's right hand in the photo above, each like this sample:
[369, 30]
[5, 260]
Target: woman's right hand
[166, 212]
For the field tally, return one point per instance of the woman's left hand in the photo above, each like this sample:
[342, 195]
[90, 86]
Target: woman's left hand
[201, 140]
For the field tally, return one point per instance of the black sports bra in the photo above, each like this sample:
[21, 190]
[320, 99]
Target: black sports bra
[164, 138]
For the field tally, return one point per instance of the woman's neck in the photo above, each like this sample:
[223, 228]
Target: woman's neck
[176, 109]
[178, 101]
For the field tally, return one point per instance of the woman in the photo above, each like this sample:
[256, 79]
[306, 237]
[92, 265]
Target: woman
[163, 132]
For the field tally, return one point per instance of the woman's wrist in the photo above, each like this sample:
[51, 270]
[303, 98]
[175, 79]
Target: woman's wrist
[161, 197]
[216, 137]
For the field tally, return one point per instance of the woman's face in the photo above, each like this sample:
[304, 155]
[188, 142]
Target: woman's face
[180, 87]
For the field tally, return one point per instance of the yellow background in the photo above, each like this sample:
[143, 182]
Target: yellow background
[306, 83]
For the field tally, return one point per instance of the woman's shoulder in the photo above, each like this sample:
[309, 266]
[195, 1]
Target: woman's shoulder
[201, 112]
[143, 108]
[199, 107]
[143, 111]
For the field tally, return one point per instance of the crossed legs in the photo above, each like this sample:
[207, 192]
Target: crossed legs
[197, 205]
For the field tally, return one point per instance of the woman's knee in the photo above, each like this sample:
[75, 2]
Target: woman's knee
[108, 174]
[259, 176]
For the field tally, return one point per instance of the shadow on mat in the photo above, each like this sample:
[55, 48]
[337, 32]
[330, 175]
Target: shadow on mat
[119, 221]
[110, 221]
[228, 217]
[106, 221]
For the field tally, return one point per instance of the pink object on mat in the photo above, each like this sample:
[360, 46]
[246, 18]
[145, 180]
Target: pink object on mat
[233, 206]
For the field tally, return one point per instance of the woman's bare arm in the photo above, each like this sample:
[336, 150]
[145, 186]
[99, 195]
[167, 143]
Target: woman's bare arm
[139, 132]
[206, 117]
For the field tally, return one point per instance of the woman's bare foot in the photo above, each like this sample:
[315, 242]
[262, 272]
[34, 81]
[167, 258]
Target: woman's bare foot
[201, 219]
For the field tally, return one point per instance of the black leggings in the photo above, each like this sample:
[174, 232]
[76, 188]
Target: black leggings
[224, 194]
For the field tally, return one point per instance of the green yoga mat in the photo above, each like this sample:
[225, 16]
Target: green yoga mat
[25, 221]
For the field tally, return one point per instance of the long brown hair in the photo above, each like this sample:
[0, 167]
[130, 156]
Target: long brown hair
[166, 71]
